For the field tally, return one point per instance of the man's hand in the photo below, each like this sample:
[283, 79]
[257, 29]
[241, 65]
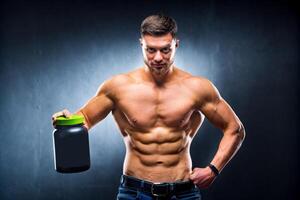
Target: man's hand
[64, 113]
[202, 177]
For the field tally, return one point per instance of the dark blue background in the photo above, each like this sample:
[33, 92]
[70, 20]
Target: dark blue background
[54, 55]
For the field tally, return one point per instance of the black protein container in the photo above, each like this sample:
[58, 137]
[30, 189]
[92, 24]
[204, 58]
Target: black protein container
[71, 145]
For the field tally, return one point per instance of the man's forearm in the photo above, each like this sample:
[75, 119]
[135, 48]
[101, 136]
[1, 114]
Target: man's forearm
[86, 122]
[229, 145]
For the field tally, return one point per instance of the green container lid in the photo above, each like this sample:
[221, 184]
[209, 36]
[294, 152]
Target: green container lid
[72, 120]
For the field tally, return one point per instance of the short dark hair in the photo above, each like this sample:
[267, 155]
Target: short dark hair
[158, 25]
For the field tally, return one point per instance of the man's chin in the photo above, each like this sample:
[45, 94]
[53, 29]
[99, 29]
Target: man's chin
[158, 70]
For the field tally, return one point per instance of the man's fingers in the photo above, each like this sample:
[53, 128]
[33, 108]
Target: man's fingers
[201, 178]
[65, 113]
[192, 175]
[58, 114]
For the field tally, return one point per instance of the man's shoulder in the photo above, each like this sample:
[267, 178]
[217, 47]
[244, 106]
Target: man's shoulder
[197, 82]
[118, 80]
[201, 87]
[109, 86]
[191, 79]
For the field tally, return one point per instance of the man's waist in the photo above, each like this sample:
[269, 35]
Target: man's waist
[167, 170]
[156, 189]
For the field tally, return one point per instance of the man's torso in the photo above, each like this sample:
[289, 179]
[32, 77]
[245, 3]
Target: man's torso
[158, 124]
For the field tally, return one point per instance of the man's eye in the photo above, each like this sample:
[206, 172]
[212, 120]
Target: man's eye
[150, 50]
[166, 50]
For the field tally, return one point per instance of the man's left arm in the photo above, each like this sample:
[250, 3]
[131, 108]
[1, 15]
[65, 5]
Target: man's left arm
[221, 115]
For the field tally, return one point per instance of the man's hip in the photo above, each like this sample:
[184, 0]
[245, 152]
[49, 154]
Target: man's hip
[134, 188]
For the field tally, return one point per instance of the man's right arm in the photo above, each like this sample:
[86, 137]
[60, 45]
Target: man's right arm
[99, 106]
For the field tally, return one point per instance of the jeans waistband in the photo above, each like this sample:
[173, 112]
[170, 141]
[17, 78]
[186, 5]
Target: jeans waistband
[156, 189]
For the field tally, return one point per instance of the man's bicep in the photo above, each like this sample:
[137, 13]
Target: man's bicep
[220, 114]
[216, 109]
[97, 108]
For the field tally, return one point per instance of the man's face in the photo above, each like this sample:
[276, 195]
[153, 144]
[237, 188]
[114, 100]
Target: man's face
[158, 52]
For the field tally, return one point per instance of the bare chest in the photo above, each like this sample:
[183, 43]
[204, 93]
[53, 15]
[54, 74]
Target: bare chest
[147, 106]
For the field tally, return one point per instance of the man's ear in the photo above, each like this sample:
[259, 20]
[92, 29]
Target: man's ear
[177, 43]
[141, 41]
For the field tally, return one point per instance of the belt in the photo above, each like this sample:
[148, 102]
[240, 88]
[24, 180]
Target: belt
[156, 189]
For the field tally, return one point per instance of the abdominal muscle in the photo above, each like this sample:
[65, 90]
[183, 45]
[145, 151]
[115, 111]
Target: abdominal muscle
[158, 156]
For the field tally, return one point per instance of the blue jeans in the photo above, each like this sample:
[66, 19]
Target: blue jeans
[126, 193]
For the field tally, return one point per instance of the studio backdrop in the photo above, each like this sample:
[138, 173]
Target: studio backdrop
[55, 54]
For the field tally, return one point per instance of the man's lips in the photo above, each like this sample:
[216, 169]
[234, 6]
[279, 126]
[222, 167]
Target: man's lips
[158, 69]
[158, 66]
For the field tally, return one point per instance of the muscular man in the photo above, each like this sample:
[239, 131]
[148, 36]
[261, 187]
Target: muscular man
[158, 109]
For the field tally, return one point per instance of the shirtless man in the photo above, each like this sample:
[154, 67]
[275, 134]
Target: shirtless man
[158, 109]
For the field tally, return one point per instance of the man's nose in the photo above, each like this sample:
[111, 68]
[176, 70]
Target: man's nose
[158, 57]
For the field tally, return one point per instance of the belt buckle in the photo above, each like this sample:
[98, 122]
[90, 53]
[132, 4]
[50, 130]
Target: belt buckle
[153, 192]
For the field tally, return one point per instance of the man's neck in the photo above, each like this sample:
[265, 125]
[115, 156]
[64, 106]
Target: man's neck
[159, 79]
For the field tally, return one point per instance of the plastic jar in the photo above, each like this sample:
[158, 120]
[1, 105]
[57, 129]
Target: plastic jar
[71, 145]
